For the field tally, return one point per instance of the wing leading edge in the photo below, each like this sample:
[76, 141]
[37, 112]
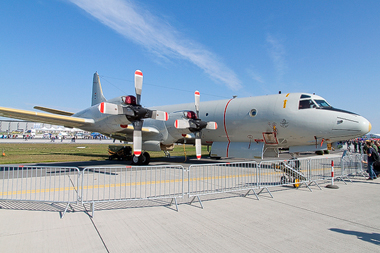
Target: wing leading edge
[54, 111]
[45, 117]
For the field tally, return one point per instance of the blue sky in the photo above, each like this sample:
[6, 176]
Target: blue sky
[49, 51]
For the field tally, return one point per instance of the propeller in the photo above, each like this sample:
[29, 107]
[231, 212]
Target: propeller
[195, 124]
[134, 112]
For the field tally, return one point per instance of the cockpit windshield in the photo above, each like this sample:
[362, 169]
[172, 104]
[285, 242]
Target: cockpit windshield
[307, 102]
[312, 101]
[322, 103]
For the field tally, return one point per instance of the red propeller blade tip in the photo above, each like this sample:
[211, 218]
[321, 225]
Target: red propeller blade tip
[138, 72]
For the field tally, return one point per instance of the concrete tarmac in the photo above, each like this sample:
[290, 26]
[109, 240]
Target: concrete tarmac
[327, 220]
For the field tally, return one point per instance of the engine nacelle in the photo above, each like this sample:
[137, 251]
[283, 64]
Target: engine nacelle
[129, 100]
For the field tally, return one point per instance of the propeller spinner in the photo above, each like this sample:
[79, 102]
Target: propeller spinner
[195, 125]
[134, 112]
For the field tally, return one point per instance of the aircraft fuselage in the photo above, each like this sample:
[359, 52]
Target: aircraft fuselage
[272, 121]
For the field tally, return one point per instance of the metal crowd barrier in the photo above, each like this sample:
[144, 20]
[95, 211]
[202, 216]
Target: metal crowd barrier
[320, 168]
[283, 172]
[352, 165]
[206, 179]
[106, 184]
[40, 184]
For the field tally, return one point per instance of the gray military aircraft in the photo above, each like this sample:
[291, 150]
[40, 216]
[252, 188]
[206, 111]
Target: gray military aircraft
[252, 127]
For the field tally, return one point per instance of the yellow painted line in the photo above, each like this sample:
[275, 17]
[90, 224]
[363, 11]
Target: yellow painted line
[36, 191]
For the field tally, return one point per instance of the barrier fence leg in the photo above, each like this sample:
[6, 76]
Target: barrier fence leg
[92, 206]
[64, 212]
[176, 204]
[245, 195]
[307, 186]
[262, 189]
[332, 186]
[315, 182]
[199, 200]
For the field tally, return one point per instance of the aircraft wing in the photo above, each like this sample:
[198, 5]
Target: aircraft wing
[45, 117]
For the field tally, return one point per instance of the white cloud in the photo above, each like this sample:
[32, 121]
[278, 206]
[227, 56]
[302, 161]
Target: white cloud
[254, 75]
[157, 35]
[277, 54]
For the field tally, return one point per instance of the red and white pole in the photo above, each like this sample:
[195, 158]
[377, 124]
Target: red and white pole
[332, 178]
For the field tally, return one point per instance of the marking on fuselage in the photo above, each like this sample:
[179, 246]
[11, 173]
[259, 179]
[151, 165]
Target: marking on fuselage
[285, 103]
[225, 127]
[284, 123]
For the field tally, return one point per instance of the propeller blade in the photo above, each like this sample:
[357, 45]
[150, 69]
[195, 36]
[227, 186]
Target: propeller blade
[197, 102]
[137, 137]
[212, 125]
[160, 115]
[181, 124]
[137, 142]
[138, 85]
[198, 146]
[108, 108]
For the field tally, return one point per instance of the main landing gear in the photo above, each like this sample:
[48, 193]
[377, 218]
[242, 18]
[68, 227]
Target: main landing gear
[143, 159]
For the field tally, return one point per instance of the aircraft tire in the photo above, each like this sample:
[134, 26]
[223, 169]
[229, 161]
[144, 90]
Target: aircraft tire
[137, 160]
[146, 158]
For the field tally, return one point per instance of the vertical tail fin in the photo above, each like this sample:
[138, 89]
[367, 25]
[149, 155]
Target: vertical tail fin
[97, 93]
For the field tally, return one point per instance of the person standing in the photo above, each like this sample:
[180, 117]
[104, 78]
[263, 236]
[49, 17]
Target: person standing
[370, 155]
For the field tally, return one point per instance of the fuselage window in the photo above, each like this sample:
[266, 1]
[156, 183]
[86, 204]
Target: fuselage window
[253, 113]
[307, 104]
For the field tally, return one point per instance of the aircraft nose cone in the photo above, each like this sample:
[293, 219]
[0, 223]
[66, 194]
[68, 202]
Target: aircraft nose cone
[365, 126]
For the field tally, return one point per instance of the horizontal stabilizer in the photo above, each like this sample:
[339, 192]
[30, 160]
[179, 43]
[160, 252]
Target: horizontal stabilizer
[54, 111]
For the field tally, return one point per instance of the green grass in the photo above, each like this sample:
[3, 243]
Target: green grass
[54, 152]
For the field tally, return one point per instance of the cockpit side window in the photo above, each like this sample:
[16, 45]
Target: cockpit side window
[306, 104]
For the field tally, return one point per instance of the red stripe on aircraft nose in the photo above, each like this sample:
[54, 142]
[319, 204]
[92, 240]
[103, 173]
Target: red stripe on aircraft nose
[138, 73]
